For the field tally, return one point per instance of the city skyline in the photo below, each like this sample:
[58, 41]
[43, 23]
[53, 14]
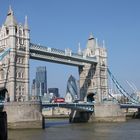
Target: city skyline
[62, 25]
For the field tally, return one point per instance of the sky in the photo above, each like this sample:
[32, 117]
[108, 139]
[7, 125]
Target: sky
[64, 23]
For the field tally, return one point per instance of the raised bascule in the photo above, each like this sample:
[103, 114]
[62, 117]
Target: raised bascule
[14, 73]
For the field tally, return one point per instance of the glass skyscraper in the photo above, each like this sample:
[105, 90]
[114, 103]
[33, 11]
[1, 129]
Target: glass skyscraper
[41, 81]
[72, 89]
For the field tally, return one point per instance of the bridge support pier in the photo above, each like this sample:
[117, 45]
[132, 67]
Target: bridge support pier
[77, 116]
[103, 112]
[137, 114]
[3, 126]
[108, 112]
[24, 115]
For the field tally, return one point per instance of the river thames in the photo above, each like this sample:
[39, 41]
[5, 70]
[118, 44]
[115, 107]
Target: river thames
[63, 130]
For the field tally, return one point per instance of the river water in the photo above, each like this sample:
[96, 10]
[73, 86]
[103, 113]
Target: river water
[62, 130]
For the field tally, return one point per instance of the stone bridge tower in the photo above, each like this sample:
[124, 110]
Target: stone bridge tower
[93, 78]
[14, 72]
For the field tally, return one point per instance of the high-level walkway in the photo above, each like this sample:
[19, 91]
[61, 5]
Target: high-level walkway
[44, 53]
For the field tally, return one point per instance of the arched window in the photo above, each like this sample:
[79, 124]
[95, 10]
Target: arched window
[19, 75]
[19, 88]
[21, 60]
[21, 41]
[20, 32]
[22, 90]
[7, 31]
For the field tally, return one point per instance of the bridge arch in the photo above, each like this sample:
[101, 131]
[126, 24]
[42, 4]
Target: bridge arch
[90, 97]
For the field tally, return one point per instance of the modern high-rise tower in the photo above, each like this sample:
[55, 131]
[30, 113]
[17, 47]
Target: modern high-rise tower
[72, 92]
[41, 81]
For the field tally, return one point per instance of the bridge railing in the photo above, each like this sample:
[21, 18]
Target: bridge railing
[76, 106]
[54, 50]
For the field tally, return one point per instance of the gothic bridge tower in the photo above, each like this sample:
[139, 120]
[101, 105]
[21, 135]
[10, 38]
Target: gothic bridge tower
[14, 72]
[93, 78]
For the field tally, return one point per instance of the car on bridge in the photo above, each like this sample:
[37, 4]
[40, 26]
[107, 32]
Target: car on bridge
[58, 100]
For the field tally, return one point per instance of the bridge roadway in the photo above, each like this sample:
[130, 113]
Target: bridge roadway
[88, 107]
[44, 53]
[129, 105]
[83, 106]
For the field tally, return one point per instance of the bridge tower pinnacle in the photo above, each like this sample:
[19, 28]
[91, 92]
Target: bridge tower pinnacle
[93, 78]
[14, 73]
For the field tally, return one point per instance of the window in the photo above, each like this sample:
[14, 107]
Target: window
[20, 32]
[21, 41]
[17, 41]
[19, 75]
[102, 82]
[22, 75]
[103, 72]
[7, 31]
[103, 62]
[19, 88]
[16, 30]
[21, 60]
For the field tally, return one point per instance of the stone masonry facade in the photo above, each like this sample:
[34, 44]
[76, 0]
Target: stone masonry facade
[14, 67]
[93, 78]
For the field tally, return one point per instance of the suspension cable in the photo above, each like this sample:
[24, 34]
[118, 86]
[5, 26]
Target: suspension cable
[121, 89]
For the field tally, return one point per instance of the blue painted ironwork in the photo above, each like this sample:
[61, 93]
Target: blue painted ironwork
[89, 107]
[133, 103]
[122, 90]
[4, 53]
[130, 105]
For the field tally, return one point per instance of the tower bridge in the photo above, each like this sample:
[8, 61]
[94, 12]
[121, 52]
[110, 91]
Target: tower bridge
[91, 62]
[14, 71]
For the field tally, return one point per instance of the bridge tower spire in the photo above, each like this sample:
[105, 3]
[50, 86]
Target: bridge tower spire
[10, 19]
[93, 78]
[26, 23]
[79, 49]
[14, 74]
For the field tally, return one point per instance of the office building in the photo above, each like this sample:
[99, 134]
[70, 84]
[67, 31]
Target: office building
[41, 81]
[72, 92]
[54, 92]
